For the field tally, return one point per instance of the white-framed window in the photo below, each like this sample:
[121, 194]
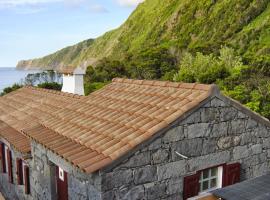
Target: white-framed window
[210, 179]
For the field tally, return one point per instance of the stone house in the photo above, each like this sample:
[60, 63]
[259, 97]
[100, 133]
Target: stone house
[133, 139]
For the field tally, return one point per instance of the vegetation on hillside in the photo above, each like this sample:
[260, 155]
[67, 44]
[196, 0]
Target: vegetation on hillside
[248, 84]
[206, 41]
[183, 26]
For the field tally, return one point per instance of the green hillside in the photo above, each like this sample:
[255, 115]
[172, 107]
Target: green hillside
[182, 25]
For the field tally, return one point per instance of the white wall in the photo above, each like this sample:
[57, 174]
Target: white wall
[73, 84]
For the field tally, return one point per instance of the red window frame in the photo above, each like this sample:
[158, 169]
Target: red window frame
[23, 174]
[3, 157]
[9, 163]
[26, 179]
[230, 176]
[19, 166]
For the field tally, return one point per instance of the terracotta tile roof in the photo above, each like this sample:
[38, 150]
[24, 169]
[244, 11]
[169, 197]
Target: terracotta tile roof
[79, 155]
[110, 122]
[25, 107]
[15, 138]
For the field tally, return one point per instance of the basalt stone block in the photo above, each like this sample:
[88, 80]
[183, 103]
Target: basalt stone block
[174, 186]
[189, 148]
[93, 193]
[228, 113]
[266, 143]
[116, 179]
[192, 119]
[174, 135]
[256, 149]
[262, 131]
[209, 115]
[220, 129]
[237, 126]
[145, 174]
[160, 156]
[247, 138]
[198, 130]
[155, 144]
[240, 152]
[156, 191]
[135, 193]
[224, 143]
[213, 159]
[251, 124]
[217, 103]
[209, 146]
[173, 169]
[139, 159]
[174, 197]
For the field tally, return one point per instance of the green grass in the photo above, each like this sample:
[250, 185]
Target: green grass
[187, 25]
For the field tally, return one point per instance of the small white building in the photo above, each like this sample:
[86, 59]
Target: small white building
[73, 80]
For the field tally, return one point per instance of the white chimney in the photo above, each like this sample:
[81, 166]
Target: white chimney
[73, 80]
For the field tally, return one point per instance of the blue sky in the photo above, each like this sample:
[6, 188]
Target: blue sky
[34, 28]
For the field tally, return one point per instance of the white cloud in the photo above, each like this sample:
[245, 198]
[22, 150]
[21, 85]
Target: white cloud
[129, 3]
[14, 3]
[35, 6]
[97, 8]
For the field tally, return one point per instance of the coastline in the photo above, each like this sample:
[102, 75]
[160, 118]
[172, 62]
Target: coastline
[12, 75]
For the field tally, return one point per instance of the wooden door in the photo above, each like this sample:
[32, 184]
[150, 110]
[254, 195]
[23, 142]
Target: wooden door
[61, 184]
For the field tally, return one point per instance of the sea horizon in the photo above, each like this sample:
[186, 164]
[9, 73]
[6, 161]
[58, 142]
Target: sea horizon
[11, 75]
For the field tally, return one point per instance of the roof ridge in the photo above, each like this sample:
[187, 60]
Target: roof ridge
[195, 86]
[60, 93]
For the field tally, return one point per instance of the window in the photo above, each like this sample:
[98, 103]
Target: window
[23, 175]
[210, 179]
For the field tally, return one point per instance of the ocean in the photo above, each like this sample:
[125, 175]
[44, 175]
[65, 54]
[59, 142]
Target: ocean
[10, 75]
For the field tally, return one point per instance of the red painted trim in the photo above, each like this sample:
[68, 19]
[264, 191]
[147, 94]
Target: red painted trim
[26, 179]
[191, 186]
[19, 171]
[62, 186]
[231, 174]
[9, 160]
[2, 146]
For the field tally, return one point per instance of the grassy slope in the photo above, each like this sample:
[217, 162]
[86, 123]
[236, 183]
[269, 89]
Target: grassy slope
[190, 25]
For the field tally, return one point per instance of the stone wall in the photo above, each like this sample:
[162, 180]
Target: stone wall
[80, 186]
[215, 134]
[13, 191]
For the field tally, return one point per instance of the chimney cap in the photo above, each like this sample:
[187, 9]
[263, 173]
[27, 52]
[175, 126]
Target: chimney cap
[71, 70]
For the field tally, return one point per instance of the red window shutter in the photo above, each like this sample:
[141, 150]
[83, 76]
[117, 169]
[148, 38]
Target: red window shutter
[9, 160]
[26, 179]
[2, 150]
[191, 186]
[19, 171]
[231, 174]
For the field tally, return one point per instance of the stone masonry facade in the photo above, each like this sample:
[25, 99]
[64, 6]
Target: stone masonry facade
[13, 191]
[214, 134]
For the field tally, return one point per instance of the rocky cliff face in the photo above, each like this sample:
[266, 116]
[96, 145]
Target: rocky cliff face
[188, 25]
